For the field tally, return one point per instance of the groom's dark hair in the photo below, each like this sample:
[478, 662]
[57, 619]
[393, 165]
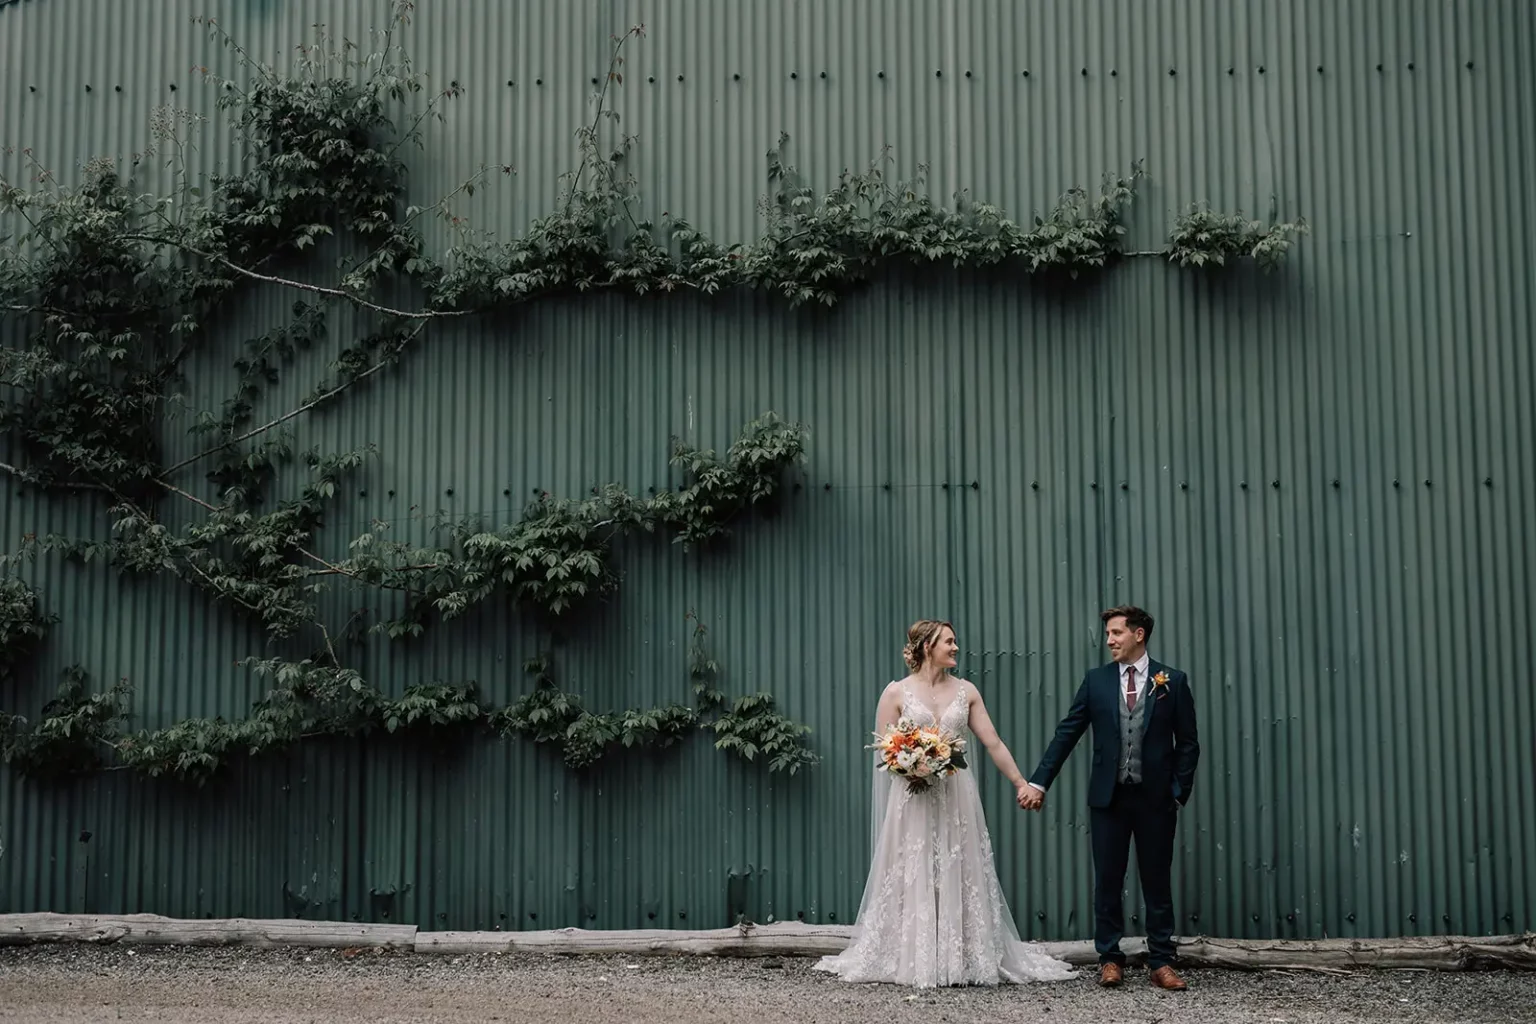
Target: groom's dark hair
[1135, 618]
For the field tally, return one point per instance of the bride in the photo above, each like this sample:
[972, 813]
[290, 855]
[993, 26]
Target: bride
[933, 912]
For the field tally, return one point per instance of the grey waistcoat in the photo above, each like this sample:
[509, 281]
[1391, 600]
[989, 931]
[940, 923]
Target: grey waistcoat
[1131, 733]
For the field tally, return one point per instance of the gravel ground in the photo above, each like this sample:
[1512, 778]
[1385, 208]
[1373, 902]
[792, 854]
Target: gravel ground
[70, 983]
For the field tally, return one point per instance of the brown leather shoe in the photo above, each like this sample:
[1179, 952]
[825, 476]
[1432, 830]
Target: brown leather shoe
[1166, 977]
[1110, 975]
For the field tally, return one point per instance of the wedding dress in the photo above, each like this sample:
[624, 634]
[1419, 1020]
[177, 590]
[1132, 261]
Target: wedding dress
[933, 912]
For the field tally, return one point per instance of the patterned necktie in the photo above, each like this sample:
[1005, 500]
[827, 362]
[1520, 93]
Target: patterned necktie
[1130, 688]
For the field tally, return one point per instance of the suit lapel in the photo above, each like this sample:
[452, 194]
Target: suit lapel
[1153, 668]
[1110, 685]
[1109, 690]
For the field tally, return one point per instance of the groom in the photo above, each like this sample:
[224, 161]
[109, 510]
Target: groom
[1144, 755]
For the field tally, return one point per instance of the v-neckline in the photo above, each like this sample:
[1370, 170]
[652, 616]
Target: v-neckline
[935, 715]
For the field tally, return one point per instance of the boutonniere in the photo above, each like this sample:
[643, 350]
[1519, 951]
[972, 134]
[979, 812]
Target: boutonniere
[1160, 685]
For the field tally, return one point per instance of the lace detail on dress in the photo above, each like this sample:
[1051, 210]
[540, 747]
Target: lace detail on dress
[953, 718]
[933, 912]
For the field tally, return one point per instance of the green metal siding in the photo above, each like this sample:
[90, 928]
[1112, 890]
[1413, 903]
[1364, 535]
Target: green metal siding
[1314, 480]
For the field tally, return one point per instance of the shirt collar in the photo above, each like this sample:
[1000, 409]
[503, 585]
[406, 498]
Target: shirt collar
[1143, 666]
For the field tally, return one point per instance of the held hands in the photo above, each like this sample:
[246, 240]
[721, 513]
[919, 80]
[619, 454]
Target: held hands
[1030, 798]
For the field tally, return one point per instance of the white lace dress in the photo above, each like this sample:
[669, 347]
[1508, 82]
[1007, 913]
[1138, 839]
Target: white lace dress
[933, 912]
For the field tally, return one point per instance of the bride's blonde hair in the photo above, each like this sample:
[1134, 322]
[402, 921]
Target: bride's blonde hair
[919, 638]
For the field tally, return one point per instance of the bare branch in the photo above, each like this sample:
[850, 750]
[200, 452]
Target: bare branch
[189, 496]
[214, 508]
[602, 96]
[329, 647]
[335, 293]
[66, 485]
[285, 417]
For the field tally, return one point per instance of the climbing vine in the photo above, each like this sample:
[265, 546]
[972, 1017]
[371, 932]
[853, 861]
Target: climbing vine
[747, 726]
[556, 556]
[308, 701]
[560, 553]
[1201, 238]
[73, 733]
[108, 289]
[550, 715]
[79, 733]
[23, 624]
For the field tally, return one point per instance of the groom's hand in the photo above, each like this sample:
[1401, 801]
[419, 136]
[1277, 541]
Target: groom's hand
[1030, 798]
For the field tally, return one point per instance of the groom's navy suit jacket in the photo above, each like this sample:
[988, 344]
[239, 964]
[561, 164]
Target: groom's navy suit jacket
[1170, 747]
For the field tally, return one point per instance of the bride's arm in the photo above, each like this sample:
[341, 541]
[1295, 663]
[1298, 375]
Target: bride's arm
[983, 729]
[889, 708]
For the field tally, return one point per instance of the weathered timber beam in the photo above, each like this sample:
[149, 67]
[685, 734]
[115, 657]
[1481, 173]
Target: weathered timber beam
[153, 930]
[788, 938]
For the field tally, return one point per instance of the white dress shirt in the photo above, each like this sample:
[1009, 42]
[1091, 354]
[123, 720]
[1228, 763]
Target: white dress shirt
[1143, 667]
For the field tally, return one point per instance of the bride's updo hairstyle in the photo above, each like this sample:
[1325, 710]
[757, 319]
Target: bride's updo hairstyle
[919, 638]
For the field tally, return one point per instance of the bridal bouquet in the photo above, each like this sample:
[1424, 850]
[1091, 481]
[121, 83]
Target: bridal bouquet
[921, 755]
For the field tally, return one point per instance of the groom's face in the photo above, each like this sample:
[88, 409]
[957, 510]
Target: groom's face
[1124, 643]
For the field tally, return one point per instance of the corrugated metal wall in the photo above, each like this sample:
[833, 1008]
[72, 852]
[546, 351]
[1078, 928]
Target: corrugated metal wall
[1315, 480]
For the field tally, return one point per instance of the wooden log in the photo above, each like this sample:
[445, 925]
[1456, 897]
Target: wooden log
[153, 930]
[1438, 953]
[26, 929]
[1445, 953]
[1426, 952]
[787, 938]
